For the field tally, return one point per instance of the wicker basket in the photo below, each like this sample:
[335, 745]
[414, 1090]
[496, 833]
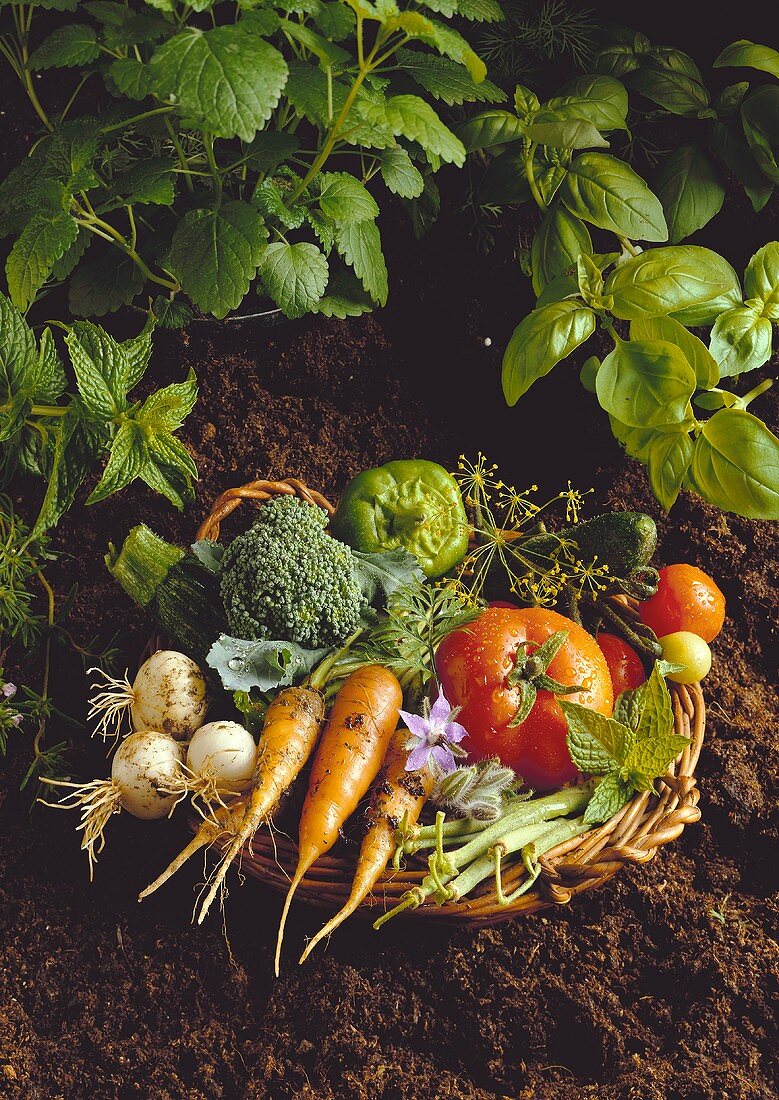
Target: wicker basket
[633, 835]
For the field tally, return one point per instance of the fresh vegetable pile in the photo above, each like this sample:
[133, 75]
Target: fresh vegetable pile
[445, 668]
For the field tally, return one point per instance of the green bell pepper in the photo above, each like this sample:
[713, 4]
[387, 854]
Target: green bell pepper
[411, 503]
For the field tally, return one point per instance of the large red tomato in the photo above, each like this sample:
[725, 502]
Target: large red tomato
[474, 665]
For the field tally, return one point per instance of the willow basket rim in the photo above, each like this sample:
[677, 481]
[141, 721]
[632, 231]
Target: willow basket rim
[633, 835]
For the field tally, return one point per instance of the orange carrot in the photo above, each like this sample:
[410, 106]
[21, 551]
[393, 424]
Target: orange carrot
[361, 723]
[398, 795]
[289, 733]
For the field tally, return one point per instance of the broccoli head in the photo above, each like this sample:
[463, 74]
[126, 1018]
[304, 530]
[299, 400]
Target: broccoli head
[286, 578]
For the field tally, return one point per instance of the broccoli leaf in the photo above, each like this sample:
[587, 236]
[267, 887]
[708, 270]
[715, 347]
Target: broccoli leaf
[245, 665]
[209, 554]
[380, 575]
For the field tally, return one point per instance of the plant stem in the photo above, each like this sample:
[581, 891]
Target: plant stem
[180, 154]
[756, 392]
[531, 178]
[628, 246]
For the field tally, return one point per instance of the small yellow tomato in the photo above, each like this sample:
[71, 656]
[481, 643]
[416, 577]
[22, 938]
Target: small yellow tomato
[688, 650]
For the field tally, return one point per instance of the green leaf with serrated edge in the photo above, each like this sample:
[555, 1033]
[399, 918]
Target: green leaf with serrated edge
[560, 240]
[761, 279]
[541, 341]
[690, 190]
[669, 460]
[410, 117]
[574, 133]
[736, 465]
[129, 77]
[740, 340]
[447, 80]
[345, 199]
[607, 193]
[328, 53]
[669, 280]
[102, 285]
[451, 43]
[270, 148]
[50, 380]
[749, 55]
[345, 297]
[760, 119]
[102, 370]
[169, 470]
[214, 254]
[66, 264]
[477, 11]
[335, 20]
[324, 229]
[36, 250]
[225, 80]
[490, 129]
[399, 173]
[731, 146]
[167, 409]
[294, 275]
[675, 91]
[270, 199]
[594, 738]
[147, 181]
[649, 329]
[647, 710]
[646, 385]
[360, 245]
[650, 758]
[71, 46]
[608, 798]
[125, 462]
[76, 445]
[18, 353]
[171, 312]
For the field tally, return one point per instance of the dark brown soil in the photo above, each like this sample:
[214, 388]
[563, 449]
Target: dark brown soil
[658, 986]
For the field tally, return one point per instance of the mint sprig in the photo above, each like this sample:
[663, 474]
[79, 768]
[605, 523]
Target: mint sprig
[630, 750]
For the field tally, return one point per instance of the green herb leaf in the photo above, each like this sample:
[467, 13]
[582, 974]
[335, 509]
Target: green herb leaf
[611, 794]
[741, 340]
[345, 297]
[360, 245]
[102, 285]
[127, 458]
[595, 742]
[399, 173]
[490, 129]
[668, 280]
[690, 190]
[31, 260]
[345, 199]
[650, 329]
[646, 384]
[678, 92]
[650, 758]
[295, 275]
[560, 240]
[731, 145]
[670, 456]
[226, 80]
[270, 148]
[447, 80]
[574, 133]
[215, 254]
[736, 465]
[540, 341]
[411, 117]
[749, 55]
[761, 279]
[166, 409]
[607, 193]
[67, 47]
[601, 100]
[760, 118]
[77, 443]
[101, 370]
[130, 77]
[270, 197]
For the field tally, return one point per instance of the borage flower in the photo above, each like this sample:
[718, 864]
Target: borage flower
[434, 737]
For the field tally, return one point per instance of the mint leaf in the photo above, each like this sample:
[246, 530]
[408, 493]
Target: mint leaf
[344, 297]
[650, 758]
[170, 470]
[609, 797]
[399, 173]
[130, 77]
[105, 370]
[125, 462]
[294, 275]
[413, 118]
[360, 245]
[18, 353]
[76, 444]
[269, 198]
[102, 285]
[345, 199]
[214, 255]
[447, 80]
[596, 743]
[226, 80]
[647, 710]
[166, 410]
[42, 242]
[67, 47]
[270, 148]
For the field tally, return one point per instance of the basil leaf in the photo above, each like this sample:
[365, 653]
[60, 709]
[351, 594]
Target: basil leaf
[607, 193]
[690, 191]
[646, 384]
[600, 100]
[695, 351]
[730, 144]
[636, 441]
[540, 341]
[736, 465]
[749, 55]
[740, 341]
[525, 101]
[215, 253]
[504, 183]
[560, 240]
[678, 92]
[761, 279]
[668, 280]
[669, 460]
[295, 275]
[574, 133]
[760, 118]
[226, 80]
[490, 129]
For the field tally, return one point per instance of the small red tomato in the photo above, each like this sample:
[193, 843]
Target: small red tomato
[686, 599]
[625, 666]
[474, 665]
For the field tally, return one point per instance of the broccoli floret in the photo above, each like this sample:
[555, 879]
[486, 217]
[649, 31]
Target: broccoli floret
[286, 578]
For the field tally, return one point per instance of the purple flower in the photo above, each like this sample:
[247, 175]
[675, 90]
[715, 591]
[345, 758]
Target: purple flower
[432, 736]
[8, 690]
[16, 719]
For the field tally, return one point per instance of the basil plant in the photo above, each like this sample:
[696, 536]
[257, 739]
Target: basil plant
[226, 146]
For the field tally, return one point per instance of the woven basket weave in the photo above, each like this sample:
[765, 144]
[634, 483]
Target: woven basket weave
[633, 835]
